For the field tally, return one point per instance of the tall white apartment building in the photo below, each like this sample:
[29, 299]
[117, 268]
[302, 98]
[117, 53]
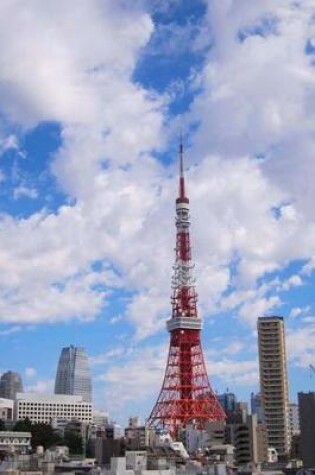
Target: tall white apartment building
[46, 407]
[274, 382]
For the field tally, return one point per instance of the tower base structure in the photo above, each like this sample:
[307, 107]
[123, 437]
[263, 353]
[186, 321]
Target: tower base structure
[186, 396]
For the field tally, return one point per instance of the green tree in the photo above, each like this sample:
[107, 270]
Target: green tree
[24, 425]
[43, 434]
[74, 442]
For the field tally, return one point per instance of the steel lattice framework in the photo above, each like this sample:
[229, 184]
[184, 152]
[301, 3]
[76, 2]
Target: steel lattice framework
[186, 395]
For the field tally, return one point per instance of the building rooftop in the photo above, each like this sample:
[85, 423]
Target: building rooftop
[16, 434]
[55, 398]
[4, 402]
[270, 317]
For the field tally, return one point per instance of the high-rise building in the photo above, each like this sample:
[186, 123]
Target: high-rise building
[256, 406]
[228, 402]
[10, 385]
[236, 411]
[274, 382]
[307, 426]
[294, 419]
[73, 373]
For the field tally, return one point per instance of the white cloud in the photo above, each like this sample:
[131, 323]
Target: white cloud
[8, 143]
[122, 212]
[301, 344]
[234, 348]
[115, 319]
[84, 61]
[299, 311]
[71, 46]
[42, 386]
[108, 355]
[250, 216]
[293, 281]
[30, 372]
[236, 373]
[259, 307]
[124, 382]
[24, 191]
[138, 375]
[258, 94]
[11, 330]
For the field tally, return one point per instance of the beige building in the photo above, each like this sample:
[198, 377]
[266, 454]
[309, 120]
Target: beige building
[274, 382]
[249, 440]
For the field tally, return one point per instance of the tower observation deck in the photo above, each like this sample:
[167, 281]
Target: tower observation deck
[186, 395]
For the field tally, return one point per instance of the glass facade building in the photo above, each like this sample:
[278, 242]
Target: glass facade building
[10, 385]
[228, 402]
[73, 373]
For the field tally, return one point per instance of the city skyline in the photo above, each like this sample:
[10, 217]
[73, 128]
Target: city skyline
[88, 175]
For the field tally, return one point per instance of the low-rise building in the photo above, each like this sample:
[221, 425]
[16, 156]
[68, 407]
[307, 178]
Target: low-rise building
[138, 438]
[47, 407]
[104, 449]
[249, 439]
[100, 417]
[15, 442]
[6, 409]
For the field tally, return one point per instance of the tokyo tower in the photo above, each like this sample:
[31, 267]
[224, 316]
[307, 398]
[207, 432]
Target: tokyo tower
[186, 395]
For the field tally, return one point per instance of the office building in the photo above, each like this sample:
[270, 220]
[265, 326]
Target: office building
[47, 407]
[249, 440]
[307, 426]
[134, 421]
[105, 450]
[227, 401]
[245, 442]
[256, 406]
[10, 385]
[138, 438]
[6, 409]
[73, 373]
[242, 410]
[274, 382]
[236, 411]
[294, 419]
[100, 418]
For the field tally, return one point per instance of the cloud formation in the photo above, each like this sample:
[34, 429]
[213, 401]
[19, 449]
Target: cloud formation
[250, 170]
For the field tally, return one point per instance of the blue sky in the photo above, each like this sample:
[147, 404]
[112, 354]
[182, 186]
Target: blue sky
[93, 96]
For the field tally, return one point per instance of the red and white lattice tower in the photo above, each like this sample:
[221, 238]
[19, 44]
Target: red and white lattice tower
[186, 395]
